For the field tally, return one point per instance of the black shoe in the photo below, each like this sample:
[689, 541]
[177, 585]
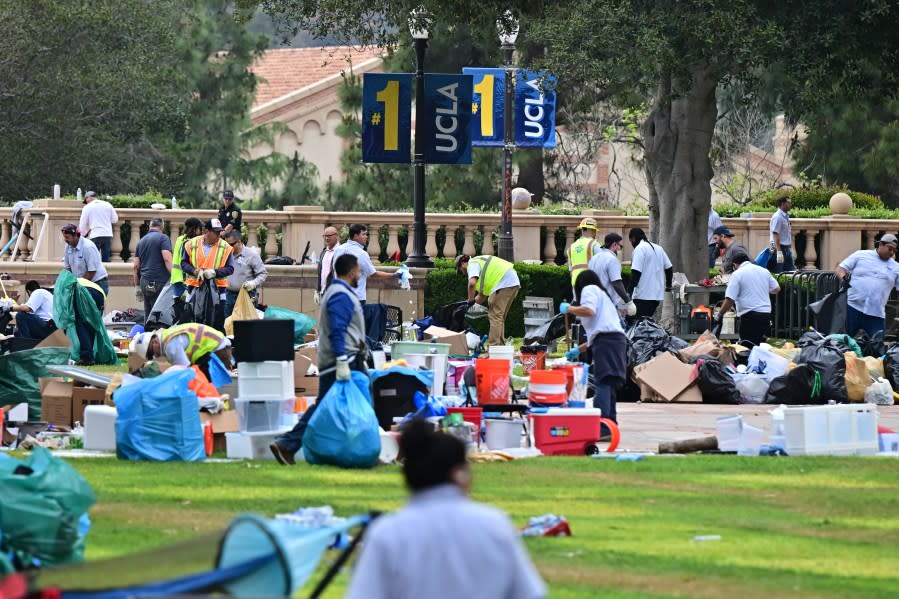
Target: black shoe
[284, 458]
[85, 363]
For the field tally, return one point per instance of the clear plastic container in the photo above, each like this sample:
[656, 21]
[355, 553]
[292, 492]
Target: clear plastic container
[262, 415]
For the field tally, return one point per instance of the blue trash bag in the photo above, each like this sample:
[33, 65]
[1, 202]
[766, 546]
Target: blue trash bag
[344, 430]
[763, 258]
[159, 420]
[219, 374]
[302, 323]
[427, 406]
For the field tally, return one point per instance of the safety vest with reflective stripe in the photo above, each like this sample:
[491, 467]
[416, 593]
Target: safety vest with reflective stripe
[579, 254]
[203, 339]
[200, 261]
[177, 273]
[492, 271]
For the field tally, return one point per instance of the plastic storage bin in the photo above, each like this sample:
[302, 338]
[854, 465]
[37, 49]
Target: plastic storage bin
[99, 428]
[262, 415]
[843, 429]
[250, 446]
[566, 431]
[503, 433]
[265, 380]
[434, 362]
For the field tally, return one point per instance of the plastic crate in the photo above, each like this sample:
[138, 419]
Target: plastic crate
[566, 431]
[263, 415]
[537, 312]
[265, 380]
[843, 429]
[250, 446]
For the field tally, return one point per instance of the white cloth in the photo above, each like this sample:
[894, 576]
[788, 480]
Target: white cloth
[780, 224]
[652, 261]
[871, 283]
[41, 303]
[366, 268]
[605, 317]
[750, 288]
[510, 279]
[442, 544]
[714, 223]
[83, 258]
[97, 218]
[607, 267]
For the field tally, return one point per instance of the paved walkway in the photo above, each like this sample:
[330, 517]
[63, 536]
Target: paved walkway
[645, 425]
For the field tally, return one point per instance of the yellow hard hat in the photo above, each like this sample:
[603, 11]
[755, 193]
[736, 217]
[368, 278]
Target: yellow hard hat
[587, 223]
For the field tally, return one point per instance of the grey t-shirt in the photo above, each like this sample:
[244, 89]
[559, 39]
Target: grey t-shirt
[735, 248]
[149, 251]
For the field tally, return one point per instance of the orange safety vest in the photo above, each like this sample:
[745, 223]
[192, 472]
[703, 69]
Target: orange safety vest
[200, 261]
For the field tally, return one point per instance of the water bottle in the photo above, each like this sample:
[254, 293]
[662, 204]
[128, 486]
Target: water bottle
[56, 191]
[78, 194]
[174, 203]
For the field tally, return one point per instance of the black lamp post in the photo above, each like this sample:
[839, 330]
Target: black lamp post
[419, 22]
[508, 33]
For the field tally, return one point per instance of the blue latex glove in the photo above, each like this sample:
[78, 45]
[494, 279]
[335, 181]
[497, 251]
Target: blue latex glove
[573, 354]
[563, 307]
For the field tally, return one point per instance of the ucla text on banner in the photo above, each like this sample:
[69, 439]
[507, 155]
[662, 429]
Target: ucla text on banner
[386, 117]
[535, 109]
[487, 107]
[447, 119]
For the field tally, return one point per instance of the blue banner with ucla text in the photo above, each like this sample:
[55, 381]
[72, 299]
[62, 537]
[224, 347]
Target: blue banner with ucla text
[487, 106]
[535, 109]
[447, 119]
[387, 117]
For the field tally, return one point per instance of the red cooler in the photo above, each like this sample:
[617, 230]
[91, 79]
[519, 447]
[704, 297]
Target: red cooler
[566, 431]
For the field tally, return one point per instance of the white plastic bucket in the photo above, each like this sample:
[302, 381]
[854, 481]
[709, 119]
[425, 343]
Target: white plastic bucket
[503, 352]
[503, 433]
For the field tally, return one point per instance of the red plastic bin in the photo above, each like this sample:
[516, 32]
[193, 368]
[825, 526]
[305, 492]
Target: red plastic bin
[569, 431]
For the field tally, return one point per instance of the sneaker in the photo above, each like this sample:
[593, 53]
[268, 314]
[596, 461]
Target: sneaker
[284, 458]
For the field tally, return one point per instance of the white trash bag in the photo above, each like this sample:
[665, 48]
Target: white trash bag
[879, 392]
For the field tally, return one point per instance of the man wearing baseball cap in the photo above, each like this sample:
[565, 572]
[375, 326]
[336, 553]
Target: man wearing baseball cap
[871, 275]
[724, 240]
[229, 214]
[208, 258]
[581, 251]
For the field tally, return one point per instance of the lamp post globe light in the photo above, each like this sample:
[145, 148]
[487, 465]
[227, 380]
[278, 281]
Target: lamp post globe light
[507, 27]
[419, 23]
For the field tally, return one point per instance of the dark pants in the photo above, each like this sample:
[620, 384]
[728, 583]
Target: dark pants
[788, 264]
[84, 332]
[609, 357]
[231, 299]
[151, 291]
[104, 244]
[713, 254]
[645, 307]
[754, 326]
[856, 320]
[31, 327]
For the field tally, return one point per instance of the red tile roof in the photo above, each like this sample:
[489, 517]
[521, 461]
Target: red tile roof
[286, 70]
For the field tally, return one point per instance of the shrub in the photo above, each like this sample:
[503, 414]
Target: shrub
[816, 197]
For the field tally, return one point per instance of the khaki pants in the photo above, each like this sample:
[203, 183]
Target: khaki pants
[497, 307]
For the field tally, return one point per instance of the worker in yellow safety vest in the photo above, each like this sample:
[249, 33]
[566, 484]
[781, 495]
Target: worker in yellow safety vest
[184, 345]
[209, 258]
[581, 251]
[494, 278]
[193, 227]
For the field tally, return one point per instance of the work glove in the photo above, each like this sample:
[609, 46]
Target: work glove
[563, 308]
[208, 273]
[573, 354]
[249, 285]
[316, 297]
[780, 257]
[343, 369]
[138, 294]
[630, 308]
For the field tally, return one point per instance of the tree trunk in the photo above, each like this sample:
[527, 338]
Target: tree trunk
[678, 137]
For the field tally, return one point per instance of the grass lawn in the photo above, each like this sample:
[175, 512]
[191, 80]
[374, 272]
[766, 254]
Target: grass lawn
[790, 527]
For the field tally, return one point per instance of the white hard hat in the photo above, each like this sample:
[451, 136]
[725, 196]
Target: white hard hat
[141, 344]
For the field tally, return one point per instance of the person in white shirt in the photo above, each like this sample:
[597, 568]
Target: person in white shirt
[651, 273]
[97, 218]
[355, 245]
[34, 318]
[782, 236]
[605, 339]
[441, 543]
[714, 223]
[872, 275]
[82, 258]
[750, 288]
[605, 264]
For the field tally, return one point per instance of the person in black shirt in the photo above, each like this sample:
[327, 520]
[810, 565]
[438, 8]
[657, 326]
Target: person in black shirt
[229, 214]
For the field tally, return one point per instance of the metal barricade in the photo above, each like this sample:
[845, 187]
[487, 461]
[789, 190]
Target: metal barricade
[797, 290]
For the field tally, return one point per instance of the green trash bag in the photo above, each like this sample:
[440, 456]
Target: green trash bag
[65, 293]
[302, 324]
[19, 373]
[43, 510]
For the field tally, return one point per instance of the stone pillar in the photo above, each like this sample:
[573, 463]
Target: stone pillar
[304, 224]
[838, 240]
[549, 246]
[525, 237]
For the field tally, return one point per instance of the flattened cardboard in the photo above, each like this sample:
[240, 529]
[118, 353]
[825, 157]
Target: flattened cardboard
[457, 341]
[57, 338]
[665, 375]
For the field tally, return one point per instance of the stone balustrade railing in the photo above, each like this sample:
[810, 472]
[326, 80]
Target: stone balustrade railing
[536, 237]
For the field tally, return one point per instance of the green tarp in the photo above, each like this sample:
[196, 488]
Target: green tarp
[19, 372]
[66, 292]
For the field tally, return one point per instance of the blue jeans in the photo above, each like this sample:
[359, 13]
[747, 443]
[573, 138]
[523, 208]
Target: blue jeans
[292, 440]
[104, 285]
[31, 327]
[104, 244]
[788, 264]
[856, 319]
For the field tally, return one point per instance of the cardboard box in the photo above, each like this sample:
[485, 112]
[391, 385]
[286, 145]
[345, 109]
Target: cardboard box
[223, 422]
[308, 386]
[56, 401]
[665, 376]
[301, 365]
[457, 341]
[83, 397]
[309, 352]
[57, 338]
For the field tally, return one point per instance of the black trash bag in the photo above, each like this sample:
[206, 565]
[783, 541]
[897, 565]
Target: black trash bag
[871, 346]
[452, 316]
[830, 312]
[891, 366]
[675, 344]
[715, 383]
[548, 332]
[826, 357]
[800, 386]
[646, 340]
[203, 302]
[281, 261]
